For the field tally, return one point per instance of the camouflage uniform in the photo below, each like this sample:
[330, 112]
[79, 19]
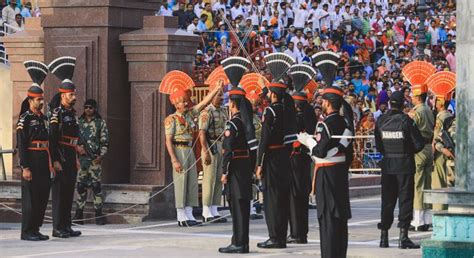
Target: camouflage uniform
[212, 120]
[439, 176]
[95, 134]
[182, 127]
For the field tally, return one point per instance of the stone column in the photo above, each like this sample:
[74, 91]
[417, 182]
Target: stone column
[152, 52]
[22, 46]
[453, 231]
[89, 31]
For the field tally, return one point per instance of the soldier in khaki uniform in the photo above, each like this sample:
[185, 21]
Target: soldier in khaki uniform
[424, 120]
[211, 124]
[439, 177]
[446, 143]
[179, 128]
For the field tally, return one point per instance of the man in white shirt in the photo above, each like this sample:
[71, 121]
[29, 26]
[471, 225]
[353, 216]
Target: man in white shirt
[434, 31]
[236, 10]
[198, 7]
[9, 12]
[220, 5]
[336, 18]
[291, 51]
[347, 18]
[283, 17]
[299, 53]
[301, 15]
[252, 11]
[299, 38]
[315, 15]
[265, 10]
[325, 19]
[192, 28]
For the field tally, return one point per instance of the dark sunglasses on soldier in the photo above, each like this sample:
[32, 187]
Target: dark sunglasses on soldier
[88, 107]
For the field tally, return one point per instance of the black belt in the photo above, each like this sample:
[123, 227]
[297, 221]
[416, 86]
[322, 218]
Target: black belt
[184, 144]
[39, 144]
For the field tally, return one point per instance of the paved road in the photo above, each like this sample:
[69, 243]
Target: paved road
[165, 239]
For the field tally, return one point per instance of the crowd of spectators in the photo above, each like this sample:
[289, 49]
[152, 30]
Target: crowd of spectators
[375, 39]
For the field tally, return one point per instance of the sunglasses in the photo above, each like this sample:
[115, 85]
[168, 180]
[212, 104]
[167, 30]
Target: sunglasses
[88, 107]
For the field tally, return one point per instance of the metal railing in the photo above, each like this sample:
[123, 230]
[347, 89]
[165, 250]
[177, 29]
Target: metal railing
[5, 31]
[2, 162]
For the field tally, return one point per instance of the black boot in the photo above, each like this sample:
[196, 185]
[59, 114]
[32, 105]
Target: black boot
[233, 249]
[99, 217]
[78, 218]
[384, 238]
[404, 242]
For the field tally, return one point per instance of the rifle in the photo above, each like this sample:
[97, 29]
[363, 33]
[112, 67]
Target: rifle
[87, 148]
[448, 141]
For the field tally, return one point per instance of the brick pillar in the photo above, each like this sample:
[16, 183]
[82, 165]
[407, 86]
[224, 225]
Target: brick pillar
[89, 31]
[22, 46]
[152, 52]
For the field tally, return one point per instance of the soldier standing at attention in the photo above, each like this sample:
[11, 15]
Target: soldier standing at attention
[442, 89]
[179, 129]
[424, 120]
[93, 145]
[254, 97]
[333, 158]
[301, 161]
[239, 145]
[64, 137]
[273, 160]
[332, 184]
[417, 73]
[33, 150]
[211, 124]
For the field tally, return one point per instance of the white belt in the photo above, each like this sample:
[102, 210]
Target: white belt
[335, 159]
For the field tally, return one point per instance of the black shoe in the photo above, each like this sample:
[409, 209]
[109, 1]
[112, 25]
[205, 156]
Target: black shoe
[404, 242]
[60, 233]
[424, 228]
[78, 217]
[30, 237]
[256, 216]
[296, 240]
[41, 236]
[219, 219]
[99, 218]
[384, 239]
[73, 233]
[232, 249]
[412, 228]
[270, 243]
[189, 223]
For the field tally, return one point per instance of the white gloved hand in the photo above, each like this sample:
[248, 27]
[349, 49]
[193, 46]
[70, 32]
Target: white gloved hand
[332, 152]
[345, 141]
[307, 140]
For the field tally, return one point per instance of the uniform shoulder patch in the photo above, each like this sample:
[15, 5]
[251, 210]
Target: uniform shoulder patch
[169, 120]
[204, 116]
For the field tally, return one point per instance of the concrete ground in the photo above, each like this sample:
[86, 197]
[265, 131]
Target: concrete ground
[165, 239]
